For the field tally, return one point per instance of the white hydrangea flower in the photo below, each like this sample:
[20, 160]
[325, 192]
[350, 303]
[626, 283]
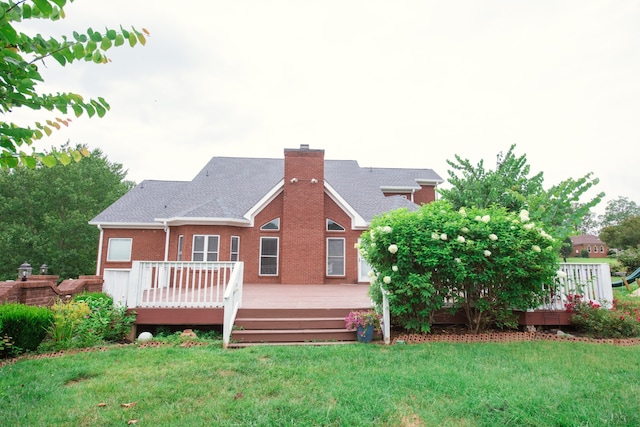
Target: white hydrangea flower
[529, 226]
[458, 260]
[485, 219]
[373, 235]
[387, 279]
[443, 236]
[387, 229]
[393, 248]
[371, 274]
[464, 230]
[460, 239]
[435, 236]
[487, 253]
[478, 218]
[536, 248]
[561, 274]
[524, 215]
[493, 237]
[356, 245]
[394, 268]
[373, 244]
[462, 212]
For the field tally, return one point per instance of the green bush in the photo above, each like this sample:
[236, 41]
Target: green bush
[630, 259]
[584, 253]
[622, 321]
[25, 325]
[87, 320]
[487, 262]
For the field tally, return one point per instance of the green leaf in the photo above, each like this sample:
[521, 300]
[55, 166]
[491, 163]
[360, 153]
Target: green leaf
[26, 11]
[47, 130]
[119, 41]
[64, 158]
[104, 103]
[90, 110]
[142, 39]
[78, 51]
[77, 110]
[105, 44]
[95, 36]
[97, 57]
[49, 160]
[111, 34]
[44, 6]
[132, 39]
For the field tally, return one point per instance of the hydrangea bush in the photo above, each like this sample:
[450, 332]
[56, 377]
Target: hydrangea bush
[487, 262]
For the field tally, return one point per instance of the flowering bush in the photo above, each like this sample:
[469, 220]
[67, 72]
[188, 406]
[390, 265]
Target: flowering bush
[495, 262]
[622, 321]
[362, 318]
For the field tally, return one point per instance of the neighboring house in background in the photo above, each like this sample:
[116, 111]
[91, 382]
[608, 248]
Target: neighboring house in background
[592, 244]
[292, 221]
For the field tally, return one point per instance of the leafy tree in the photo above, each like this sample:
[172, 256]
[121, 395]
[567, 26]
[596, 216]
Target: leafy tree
[487, 262]
[20, 57]
[511, 186]
[45, 214]
[625, 235]
[618, 210]
[566, 250]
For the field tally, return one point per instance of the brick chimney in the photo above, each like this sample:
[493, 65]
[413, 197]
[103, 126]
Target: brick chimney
[303, 220]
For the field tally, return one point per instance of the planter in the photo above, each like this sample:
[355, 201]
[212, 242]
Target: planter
[365, 334]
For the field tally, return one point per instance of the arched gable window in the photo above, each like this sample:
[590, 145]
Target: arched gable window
[333, 226]
[274, 224]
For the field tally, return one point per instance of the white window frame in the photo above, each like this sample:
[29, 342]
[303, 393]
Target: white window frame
[330, 221]
[206, 250]
[237, 251]
[343, 257]
[276, 256]
[275, 222]
[118, 246]
[180, 246]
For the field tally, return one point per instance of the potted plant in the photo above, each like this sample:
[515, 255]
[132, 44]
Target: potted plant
[364, 322]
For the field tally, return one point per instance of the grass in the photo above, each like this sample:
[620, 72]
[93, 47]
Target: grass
[484, 384]
[611, 261]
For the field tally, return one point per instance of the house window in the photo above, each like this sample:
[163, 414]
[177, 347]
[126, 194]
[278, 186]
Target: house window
[595, 248]
[335, 257]
[205, 248]
[274, 224]
[268, 256]
[119, 249]
[333, 226]
[235, 248]
[602, 249]
[180, 243]
[589, 248]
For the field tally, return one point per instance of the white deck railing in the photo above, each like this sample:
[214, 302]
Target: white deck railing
[232, 301]
[180, 284]
[592, 281]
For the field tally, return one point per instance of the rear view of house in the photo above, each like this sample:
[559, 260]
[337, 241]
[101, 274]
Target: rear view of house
[291, 221]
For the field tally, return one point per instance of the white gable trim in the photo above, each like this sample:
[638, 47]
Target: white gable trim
[264, 202]
[177, 221]
[357, 222]
[128, 225]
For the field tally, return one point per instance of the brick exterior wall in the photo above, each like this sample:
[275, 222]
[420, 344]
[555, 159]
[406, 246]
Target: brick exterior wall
[303, 219]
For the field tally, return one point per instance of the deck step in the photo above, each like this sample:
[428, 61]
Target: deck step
[310, 326]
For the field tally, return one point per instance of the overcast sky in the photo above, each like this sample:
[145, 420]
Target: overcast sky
[386, 83]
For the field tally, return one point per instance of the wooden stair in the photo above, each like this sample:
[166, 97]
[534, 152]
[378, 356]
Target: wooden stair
[292, 326]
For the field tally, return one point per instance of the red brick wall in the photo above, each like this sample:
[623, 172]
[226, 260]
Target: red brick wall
[426, 194]
[577, 250]
[147, 245]
[44, 291]
[303, 219]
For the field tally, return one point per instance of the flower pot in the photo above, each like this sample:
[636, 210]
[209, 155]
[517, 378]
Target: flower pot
[365, 334]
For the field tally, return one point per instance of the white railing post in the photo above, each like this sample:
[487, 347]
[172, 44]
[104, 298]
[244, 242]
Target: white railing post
[386, 317]
[232, 301]
[133, 285]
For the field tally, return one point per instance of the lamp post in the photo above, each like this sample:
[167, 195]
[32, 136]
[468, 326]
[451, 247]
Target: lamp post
[44, 268]
[24, 271]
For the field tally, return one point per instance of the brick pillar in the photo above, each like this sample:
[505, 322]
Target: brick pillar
[302, 249]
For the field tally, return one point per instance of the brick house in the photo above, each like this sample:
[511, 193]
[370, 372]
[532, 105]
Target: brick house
[291, 221]
[592, 244]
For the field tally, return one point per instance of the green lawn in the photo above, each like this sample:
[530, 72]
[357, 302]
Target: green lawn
[510, 384]
[610, 261]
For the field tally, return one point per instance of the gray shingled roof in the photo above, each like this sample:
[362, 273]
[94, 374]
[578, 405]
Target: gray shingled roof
[228, 187]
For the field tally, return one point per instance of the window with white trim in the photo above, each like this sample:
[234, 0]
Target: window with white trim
[119, 249]
[235, 249]
[205, 247]
[272, 225]
[269, 256]
[602, 249]
[589, 248]
[180, 244]
[333, 226]
[335, 256]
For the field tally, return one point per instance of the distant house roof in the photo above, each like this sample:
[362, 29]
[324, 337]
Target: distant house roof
[228, 189]
[586, 239]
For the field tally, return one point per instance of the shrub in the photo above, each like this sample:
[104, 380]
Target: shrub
[630, 259]
[23, 325]
[487, 262]
[89, 319]
[584, 253]
[622, 321]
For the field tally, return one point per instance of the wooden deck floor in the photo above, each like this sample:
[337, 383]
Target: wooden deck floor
[305, 296]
